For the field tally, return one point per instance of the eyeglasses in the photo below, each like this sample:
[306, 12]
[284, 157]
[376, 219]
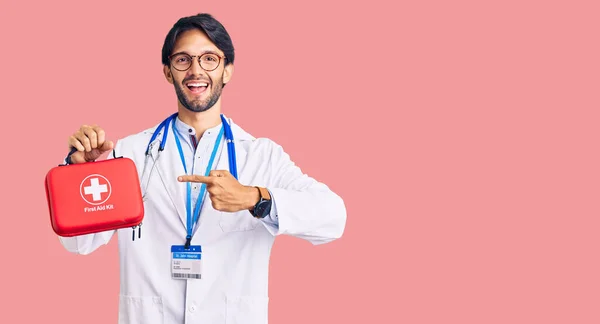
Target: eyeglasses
[183, 61]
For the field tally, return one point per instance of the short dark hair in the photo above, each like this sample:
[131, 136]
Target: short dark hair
[206, 23]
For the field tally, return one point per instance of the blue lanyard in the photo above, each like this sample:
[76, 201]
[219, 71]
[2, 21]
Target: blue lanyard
[192, 220]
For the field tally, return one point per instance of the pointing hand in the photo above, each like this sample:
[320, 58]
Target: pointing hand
[225, 192]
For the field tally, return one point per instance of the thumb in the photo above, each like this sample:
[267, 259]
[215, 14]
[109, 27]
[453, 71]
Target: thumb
[106, 146]
[94, 154]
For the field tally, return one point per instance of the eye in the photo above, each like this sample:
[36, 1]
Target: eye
[210, 58]
[182, 59]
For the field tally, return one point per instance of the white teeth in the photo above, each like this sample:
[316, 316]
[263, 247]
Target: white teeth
[197, 85]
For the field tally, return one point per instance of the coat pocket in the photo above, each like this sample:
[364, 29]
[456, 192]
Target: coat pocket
[237, 222]
[247, 310]
[140, 309]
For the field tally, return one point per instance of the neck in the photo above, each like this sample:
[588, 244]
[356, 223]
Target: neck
[201, 121]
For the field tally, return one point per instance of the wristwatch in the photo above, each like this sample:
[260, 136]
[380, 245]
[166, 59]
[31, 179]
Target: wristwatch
[263, 206]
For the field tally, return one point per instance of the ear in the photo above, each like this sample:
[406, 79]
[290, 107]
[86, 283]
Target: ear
[227, 73]
[168, 74]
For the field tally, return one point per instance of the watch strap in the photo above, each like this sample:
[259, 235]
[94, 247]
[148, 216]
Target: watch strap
[264, 193]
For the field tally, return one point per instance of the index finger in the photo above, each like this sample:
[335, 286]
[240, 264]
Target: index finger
[100, 133]
[195, 178]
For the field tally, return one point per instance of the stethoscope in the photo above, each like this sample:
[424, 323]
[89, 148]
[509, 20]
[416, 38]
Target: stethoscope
[164, 125]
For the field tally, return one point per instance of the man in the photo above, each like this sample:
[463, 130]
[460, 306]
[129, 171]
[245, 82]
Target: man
[238, 218]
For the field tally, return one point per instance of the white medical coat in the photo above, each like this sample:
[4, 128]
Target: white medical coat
[235, 246]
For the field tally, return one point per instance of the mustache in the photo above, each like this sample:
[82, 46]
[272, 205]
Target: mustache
[196, 79]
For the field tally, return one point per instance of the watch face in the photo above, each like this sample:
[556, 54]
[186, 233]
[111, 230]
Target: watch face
[263, 208]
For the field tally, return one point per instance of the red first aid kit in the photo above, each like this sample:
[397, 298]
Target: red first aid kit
[94, 197]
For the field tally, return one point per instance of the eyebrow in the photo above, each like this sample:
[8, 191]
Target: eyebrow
[203, 52]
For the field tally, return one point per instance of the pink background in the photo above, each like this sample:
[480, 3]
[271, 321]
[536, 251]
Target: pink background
[463, 136]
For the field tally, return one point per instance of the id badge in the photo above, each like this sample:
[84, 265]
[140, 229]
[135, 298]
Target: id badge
[186, 264]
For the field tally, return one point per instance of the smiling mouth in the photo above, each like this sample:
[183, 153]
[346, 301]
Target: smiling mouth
[196, 87]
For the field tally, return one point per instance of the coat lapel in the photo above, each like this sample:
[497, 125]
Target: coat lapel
[222, 162]
[169, 167]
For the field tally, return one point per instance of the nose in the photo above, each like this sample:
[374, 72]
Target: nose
[195, 69]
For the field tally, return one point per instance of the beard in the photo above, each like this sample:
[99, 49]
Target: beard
[197, 105]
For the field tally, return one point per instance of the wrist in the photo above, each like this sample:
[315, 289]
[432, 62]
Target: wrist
[253, 197]
[262, 205]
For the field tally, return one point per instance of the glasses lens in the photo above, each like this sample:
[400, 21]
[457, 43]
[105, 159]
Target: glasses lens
[209, 61]
[181, 61]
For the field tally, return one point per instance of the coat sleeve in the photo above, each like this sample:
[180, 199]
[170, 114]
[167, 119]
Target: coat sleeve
[302, 206]
[88, 243]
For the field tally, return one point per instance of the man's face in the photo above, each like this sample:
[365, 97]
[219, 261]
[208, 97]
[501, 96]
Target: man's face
[197, 89]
